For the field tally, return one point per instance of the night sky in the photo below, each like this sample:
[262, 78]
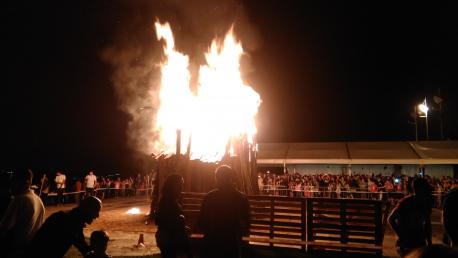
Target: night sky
[325, 70]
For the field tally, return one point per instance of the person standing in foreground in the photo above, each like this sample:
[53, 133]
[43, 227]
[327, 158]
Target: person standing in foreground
[450, 216]
[411, 218]
[171, 235]
[224, 217]
[60, 187]
[23, 218]
[64, 229]
[90, 181]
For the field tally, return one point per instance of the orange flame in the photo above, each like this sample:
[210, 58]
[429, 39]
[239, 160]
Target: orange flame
[223, 109]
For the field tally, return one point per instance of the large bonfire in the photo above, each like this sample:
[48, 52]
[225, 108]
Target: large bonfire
[199, 129]
[221, 112]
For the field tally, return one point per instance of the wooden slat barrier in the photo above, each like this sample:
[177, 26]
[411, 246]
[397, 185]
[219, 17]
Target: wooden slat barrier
[345, 225]
[277, 218]
[312, 224]
[191, 207]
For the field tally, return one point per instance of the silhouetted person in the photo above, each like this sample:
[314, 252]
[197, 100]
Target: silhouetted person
[224, 217]
[411, 218]
[5, 191]
[44, 188]
[450, 216]
[171, 235]
[23, 218]
[154, 198]
[99, 243]
[434, 251]
[64, 229]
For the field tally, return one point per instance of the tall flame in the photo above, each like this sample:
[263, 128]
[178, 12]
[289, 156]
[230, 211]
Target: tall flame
[223, 109]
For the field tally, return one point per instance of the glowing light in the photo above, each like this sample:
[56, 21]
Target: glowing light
[222, 109]
[424, 108]
[133, 211]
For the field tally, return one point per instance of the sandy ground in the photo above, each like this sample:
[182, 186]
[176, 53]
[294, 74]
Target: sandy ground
[124, 229]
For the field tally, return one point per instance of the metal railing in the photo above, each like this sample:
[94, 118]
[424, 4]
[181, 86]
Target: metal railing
[353, 193]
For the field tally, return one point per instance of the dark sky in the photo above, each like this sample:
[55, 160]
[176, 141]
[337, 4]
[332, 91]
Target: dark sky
[325, 70]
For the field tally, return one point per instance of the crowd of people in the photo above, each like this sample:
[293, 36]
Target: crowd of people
[24, 232]
[92, 185]
[346, 186]
[223, 218]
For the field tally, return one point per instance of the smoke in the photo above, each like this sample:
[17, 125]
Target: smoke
[135, 54]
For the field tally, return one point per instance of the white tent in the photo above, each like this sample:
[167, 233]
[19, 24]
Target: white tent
[405, 152]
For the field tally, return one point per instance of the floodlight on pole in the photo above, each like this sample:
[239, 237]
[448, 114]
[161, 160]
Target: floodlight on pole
[423, 107]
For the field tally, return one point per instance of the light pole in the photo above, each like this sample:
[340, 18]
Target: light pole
[438, 101]
[415, 114]
[423, 107]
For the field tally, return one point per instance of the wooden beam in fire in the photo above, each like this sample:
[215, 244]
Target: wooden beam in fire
[199, 175]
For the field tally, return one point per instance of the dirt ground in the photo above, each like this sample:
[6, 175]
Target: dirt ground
[125, 229]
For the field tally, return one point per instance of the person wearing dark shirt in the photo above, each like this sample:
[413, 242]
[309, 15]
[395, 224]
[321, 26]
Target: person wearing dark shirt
[99, 243]
[450, 216]
[171, 235]
[224, 217]
[64, 229]
[411, 218]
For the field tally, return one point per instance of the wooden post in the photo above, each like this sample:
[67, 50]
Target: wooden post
[378, 226]
[187, 167]
[309, 213]
[303, 222]
[253, 169]
[188, 149]
[272, 218]
[178, 147]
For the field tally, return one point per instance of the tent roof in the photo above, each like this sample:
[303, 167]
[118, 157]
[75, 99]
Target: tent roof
[422, 152]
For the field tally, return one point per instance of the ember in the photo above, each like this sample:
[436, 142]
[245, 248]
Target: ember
[133, 211]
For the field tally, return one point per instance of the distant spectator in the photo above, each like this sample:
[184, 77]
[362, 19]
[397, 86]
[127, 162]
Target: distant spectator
[44, 188]
[117, 187]
[60, 187]
[107, 187]
[90, 182]
[78, 189]
[64, 229]
[450, 216]
[260, 183]
[224, 217]
[411, 218]
[23, 218]
[99, 243]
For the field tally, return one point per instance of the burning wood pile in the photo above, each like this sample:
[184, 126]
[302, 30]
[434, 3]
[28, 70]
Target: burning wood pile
[199, 175]
[215, 124]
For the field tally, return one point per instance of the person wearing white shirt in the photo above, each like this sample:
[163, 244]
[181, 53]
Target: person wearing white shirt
[23, 218]
[60, 186]
[90, 182]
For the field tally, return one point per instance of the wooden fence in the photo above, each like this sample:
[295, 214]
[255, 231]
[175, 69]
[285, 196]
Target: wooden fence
[310, 224]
